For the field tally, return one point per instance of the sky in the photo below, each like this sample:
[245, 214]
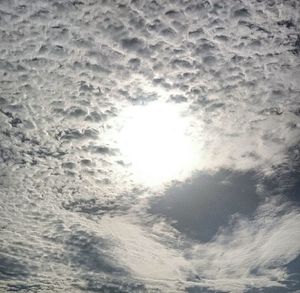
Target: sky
[149, 146]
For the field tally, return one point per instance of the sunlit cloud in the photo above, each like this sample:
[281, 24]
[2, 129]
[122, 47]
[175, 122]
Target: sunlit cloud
[154, 141]
[106, 106]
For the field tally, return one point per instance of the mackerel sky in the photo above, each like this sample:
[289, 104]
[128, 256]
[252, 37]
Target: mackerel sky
[74, 217]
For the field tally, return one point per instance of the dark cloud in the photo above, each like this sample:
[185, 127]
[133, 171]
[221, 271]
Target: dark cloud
[113, 286]
[132, 44]
[92, 206]
[12, 268]
[70, 134]
[200, 207]
[178, 98]
[88, 251]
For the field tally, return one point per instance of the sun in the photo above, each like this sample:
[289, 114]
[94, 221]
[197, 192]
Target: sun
[155, 143]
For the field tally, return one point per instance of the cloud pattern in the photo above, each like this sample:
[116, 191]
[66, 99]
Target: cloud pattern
[71, 218]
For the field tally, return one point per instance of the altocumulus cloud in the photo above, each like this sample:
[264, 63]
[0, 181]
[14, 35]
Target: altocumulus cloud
[71, 217]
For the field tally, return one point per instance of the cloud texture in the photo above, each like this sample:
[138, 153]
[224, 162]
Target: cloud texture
[70, 213]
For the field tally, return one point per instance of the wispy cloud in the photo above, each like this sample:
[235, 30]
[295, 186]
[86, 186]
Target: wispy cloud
[251, 252]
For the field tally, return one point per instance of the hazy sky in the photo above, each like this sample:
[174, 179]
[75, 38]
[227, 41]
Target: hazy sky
[149, 146]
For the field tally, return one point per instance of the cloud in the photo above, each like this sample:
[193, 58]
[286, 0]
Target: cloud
[147, 259]
[231, 68]
[206, 202]
[251, 252]
[199, 55]
[88, 253]
[12, 268]
[92, 206]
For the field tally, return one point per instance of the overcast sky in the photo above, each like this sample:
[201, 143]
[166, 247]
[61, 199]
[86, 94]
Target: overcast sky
[73, 215]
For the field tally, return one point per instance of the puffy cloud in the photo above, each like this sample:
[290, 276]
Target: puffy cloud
[67, 71]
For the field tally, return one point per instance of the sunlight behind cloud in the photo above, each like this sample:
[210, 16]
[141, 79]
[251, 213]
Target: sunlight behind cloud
[154, 142]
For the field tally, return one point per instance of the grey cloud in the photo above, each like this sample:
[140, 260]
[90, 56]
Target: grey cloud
[133, 44]
[178, 98]
[134, 63]
[88, 251]
[70, 134]
[92, 206]
[95, 149]
[76, 112]
[12, 268]
[260, 248]
[23, 287]
[255, 252]
[115, 286]
[243, 12]
[200, 207]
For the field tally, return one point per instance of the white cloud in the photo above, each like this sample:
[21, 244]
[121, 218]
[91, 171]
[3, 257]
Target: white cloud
[68, 69]
[227, 63]
[251, 252]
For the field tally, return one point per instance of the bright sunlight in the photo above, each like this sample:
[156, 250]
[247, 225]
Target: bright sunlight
[154, 142]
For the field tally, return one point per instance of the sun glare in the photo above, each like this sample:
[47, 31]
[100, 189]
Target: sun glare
[154, 142]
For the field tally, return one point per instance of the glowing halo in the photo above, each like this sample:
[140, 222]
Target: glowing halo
[154, 142]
